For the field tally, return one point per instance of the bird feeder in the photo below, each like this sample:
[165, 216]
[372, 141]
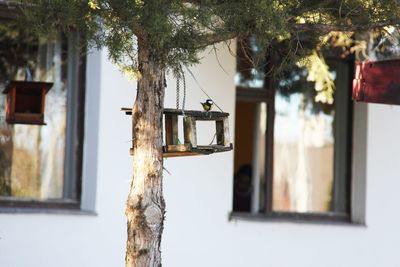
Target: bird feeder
[377, 82]
[173, 148]
[25, 102]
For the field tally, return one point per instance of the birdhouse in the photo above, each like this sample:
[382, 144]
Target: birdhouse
[377, 82]
[25, 102]
[173, 148]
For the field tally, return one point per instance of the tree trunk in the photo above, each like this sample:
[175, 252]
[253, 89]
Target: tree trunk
[145, 206]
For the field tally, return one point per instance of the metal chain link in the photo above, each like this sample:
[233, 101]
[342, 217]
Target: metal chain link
[177, 92]
[184, 91]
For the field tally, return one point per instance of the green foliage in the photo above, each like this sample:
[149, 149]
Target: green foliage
[175, 31]
[17, 50]
[318, 72]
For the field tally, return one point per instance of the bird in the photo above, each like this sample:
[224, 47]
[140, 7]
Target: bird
[207, 106]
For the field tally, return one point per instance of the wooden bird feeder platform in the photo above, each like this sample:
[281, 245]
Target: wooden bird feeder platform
[172, 148]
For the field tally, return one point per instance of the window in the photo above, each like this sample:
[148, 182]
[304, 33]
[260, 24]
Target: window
[292, 154]
[40, 165]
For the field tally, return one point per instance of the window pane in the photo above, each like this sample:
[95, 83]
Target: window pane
[306, 178]
[32, 156]
[250, 65]
[250, 136]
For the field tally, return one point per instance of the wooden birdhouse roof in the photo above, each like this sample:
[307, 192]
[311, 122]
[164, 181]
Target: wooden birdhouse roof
[27, 85]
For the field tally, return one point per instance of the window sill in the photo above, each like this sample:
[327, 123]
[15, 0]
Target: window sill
[43, 207]
[34, 211]
[297, 218]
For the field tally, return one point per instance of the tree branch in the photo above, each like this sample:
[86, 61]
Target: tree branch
[136, 28]
[325, 28]
[194, 2]
[216, 38]
[319, 6]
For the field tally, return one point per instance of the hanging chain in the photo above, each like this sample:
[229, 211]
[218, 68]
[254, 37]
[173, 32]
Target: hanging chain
[184, 92]
[177, 92]
[180, 76]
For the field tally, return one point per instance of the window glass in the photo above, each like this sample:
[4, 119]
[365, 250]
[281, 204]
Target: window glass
[250, 138]
[304, 171]
[250, 65]
[292, 153]
[32, 156]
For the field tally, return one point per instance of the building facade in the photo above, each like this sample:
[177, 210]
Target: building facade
[201, 228]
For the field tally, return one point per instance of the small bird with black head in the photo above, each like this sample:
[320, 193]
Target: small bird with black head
[208, 105]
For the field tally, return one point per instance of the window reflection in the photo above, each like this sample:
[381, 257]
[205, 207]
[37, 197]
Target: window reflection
[304, 147]
[250, 64]
[31, 156]
[250, 138]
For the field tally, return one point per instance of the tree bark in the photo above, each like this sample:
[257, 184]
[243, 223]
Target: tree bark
[145, 206]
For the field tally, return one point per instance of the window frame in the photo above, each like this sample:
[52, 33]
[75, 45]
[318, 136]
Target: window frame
[267, 94]
[74, 143]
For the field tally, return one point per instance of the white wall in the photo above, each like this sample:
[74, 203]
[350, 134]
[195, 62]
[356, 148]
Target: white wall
[199, 195]
[57, 240]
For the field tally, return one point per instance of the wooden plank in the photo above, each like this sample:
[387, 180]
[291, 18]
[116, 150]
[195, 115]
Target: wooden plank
[197, 114]
[13, 98]
[219, 125]
[197, 151]
[222, 127]
[171, 129]
[189, 130]
[177, 148]
[181, 150]
[43, 99]
[212, 149]
[184, 150]
[181, 154]
[28, 118]
[128, 111]
[24, 86]
[10, 106]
